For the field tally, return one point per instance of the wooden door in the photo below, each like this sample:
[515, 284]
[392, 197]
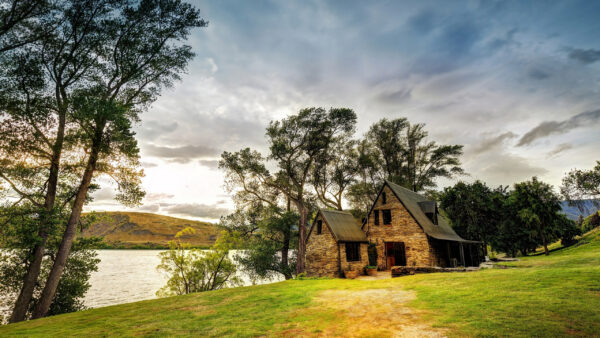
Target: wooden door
[395, 254]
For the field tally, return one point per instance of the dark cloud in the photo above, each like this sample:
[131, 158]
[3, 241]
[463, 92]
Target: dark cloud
[559, 149]
[586, 56]
[183, 154]
[555, 127]
[538, 74]
[492, 143]
[194, 210]
[423, 22]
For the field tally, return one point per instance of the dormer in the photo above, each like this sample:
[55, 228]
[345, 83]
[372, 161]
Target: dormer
[430, 209]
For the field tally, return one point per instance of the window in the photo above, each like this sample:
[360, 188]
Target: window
[376, 216]
[352, 252]
[387, 216]
[319, 227]
[383, 198]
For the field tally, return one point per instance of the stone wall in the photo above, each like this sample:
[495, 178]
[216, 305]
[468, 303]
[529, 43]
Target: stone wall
[403, 228]
[357, 265]
[322, 253]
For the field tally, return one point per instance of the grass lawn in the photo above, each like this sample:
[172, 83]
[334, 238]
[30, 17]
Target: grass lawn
[553, 296]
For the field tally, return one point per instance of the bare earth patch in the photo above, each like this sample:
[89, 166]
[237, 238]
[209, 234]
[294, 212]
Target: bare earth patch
[376, 312]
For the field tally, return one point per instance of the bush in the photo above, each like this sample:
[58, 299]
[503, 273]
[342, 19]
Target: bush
[372, 252]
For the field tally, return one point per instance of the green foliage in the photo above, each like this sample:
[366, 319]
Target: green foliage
[581, 185]
[372, 252]
[268, 238]
[399, 151]
[475, 211]
[591, 222]
[192, 270]
[19, 238]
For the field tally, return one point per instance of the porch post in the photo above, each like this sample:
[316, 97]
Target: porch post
[462, 254]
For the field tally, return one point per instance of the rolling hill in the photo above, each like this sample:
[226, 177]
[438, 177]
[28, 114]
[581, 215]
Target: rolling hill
[573, 212]
[146, 230]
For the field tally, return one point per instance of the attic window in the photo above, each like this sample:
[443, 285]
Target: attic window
[430, 210]
[352, 252]
[383, 198]
[376, 216]
[387, 216]
[319, 227]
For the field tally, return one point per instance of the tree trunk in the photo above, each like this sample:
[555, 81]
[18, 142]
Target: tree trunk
[33, 270]
[301, 238]
[546, 252]
[284, 254]
[49, 291]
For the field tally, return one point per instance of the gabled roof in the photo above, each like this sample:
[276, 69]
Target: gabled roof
[343, 225]
[411, 200]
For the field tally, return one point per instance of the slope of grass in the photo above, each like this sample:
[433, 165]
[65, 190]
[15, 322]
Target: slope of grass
[137, 230]
[553, 296]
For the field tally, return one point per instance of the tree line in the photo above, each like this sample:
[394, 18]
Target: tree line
[76, 75]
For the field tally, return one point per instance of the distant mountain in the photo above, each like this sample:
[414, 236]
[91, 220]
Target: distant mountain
[573, 212]
[146, 230]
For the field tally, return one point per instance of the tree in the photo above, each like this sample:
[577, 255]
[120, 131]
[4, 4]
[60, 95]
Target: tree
[142, 54]
[193, 270]
[407, 158]
[267, 235]
[23, 22]
[473, 210]
[40, 79]
[295, 144]
[537, 208]
[334, 172]
[581, 185]
[18, 231]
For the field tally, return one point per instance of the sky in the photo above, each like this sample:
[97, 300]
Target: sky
[516, 83]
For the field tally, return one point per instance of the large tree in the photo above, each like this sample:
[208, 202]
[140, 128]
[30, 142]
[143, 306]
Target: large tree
[537, 207]
[296, 143]
[105, 62]
[143, 54]
[40, 78]
[474, 210]
[579, 186]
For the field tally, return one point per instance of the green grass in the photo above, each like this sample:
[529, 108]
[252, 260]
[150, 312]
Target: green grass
[558, 295]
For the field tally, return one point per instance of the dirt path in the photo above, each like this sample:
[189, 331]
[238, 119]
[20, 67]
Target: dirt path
[376, 312]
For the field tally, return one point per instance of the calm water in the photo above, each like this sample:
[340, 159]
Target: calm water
[126, 276]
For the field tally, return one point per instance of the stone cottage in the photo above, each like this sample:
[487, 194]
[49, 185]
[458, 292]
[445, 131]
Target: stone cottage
[405, 228]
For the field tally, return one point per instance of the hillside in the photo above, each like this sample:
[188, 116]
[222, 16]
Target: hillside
[539, 296]
[573, 212]
[146, 230]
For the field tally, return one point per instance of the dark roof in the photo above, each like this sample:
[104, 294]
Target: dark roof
[412, 201]
[343, 225]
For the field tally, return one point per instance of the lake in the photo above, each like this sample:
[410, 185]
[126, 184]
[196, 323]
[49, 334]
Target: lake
[126, 276]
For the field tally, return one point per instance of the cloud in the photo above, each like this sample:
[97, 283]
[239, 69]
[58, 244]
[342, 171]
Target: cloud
[586, 56]
[194, 210]
[157, 197]
[492, 143]
[149, 208]
[506, 169]
[152, 129]
[555, 127]
[538, 74]
[211, 164]
[148, 165]
[182, 154]
[559, 149]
